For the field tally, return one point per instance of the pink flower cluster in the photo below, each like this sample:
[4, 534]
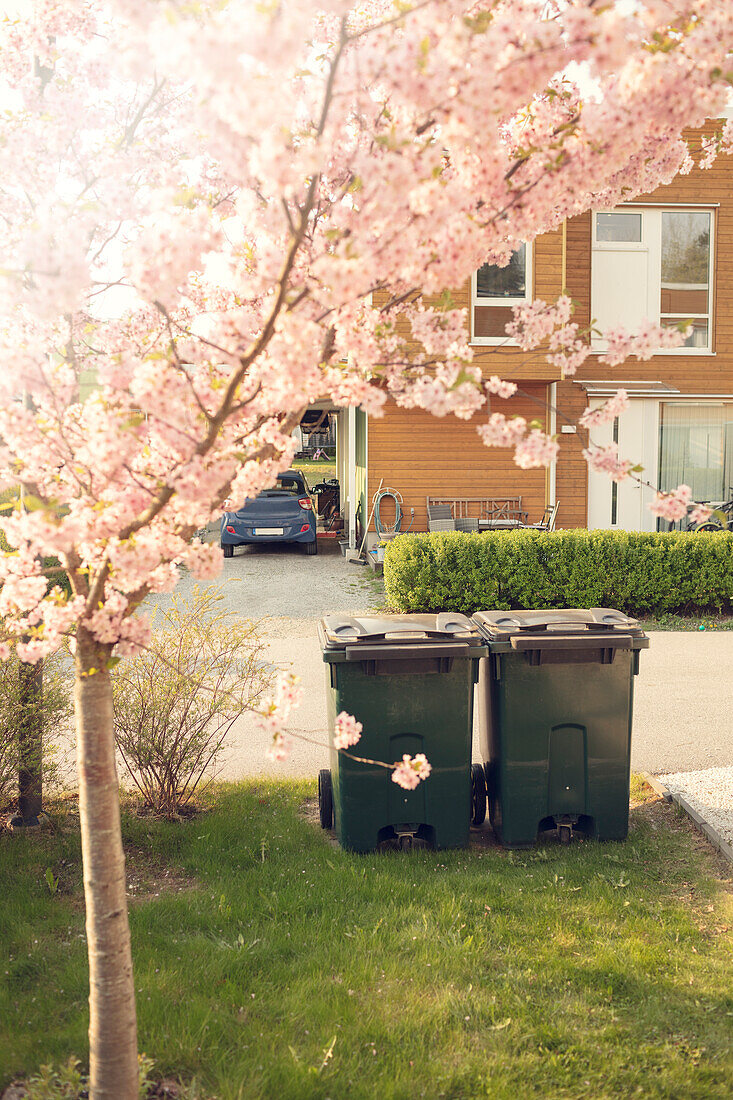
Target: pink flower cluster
[503, 431]
[536, 321]
[531, 448]
[672, 505]
[607, 412]
[410, 771]
[605, 460]
[621, 345]
[500, 387]
[347, 731]
[274, 715]
[700, 513]
[536, 449]
[567, 350]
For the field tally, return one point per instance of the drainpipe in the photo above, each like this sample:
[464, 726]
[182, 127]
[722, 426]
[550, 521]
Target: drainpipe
[351, 476]
[551, 483]
[552, 429]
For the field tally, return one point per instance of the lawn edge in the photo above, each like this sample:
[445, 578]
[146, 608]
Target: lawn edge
[712, 834]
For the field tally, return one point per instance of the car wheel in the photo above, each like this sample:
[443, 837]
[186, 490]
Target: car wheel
[325, 798]
[311, 547]
[228, 550]
[478, 795]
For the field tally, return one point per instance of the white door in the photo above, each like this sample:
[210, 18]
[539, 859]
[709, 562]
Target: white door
[624, 504]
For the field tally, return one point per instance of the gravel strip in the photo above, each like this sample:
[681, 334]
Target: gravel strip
[710, 793]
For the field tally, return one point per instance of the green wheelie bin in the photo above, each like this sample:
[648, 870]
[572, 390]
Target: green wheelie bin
[555, 704]
[409, 679]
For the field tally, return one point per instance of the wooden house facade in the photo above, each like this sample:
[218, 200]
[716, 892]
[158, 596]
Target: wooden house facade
[665, 256]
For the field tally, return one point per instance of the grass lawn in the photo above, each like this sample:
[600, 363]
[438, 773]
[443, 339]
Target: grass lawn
[321, 470]
[689, 622]
[271, 964]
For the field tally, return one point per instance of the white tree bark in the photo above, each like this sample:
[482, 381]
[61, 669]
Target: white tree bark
[112, 1023]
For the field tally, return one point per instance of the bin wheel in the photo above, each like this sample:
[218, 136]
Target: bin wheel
[228, 550]
[565, 833]
[478, 795]
[325, 798]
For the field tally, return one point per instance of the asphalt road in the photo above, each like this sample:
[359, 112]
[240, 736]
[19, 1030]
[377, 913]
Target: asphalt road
[683, 714]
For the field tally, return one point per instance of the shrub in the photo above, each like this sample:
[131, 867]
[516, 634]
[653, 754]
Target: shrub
[18, 711]
[176, 701]
[638, 573]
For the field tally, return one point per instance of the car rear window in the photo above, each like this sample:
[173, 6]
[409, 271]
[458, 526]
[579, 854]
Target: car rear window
[290, 485]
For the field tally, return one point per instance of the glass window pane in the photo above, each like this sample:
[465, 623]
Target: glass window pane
[696, 449]
[698, 338]
[685, 261]
[618, 227]
[491, 320]
[504, 282]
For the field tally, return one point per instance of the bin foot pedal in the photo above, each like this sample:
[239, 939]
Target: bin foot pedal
[565, 828]
[403, 840]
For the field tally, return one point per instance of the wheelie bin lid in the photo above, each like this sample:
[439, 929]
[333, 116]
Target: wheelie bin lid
[356, 633]
[583, 626]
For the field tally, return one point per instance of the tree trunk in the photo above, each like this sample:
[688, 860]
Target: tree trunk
[112, 1025]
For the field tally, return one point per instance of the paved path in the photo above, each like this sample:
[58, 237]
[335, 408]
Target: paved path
[683, 712]
[684, 704]
[683, 715]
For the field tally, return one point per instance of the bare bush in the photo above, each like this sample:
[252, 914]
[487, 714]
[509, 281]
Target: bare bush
[176, 701]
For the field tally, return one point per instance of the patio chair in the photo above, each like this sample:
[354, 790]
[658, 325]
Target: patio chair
[466, 524]
[547, 523]
[440, 517]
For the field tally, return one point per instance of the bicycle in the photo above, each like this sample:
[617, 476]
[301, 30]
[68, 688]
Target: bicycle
[722, 508]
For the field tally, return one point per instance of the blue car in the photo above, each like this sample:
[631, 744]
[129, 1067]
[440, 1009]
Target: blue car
[282, 514]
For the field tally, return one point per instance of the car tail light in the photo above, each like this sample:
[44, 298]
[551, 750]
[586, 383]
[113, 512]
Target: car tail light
[231, 530]
[305, 527]
[305, 503]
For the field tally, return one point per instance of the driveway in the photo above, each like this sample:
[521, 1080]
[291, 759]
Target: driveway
[684, 693]
[289, 592]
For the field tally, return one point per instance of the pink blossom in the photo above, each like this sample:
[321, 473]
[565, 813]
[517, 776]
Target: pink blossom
[605, 460]
[409, 771]
[347, 731]
[607, 412]
[536, 449]
[672, 505]
[651, 338]
[5, 651]
[502, 431]
[500, 386]
[700, 514]
[535, 321]
[280, 748]
[32, 651]
[275, 713]
[204, 560]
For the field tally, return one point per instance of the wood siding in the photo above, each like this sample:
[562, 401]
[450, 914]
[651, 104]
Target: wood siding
[422, 456]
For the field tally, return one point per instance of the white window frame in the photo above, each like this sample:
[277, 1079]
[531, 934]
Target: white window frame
[503, 341]
[651, 243]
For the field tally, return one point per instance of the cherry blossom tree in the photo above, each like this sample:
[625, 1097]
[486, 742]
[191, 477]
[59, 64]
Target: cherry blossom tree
[223, 211]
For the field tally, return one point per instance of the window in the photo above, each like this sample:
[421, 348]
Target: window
[618, 227]
[685, 274]
[696, 448]
[656, 265]
[494, 291]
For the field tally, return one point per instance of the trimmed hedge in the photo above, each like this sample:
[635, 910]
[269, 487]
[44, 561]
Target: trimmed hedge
[635, 572]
